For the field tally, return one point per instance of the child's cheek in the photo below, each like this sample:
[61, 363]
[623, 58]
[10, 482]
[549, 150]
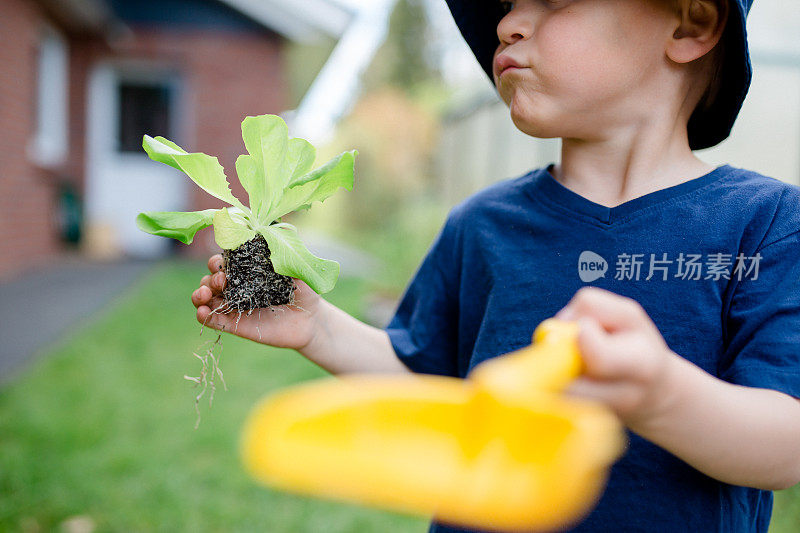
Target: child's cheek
[584, 63]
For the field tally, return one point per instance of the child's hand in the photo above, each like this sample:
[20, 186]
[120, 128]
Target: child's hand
[284, 326]
[625, 357]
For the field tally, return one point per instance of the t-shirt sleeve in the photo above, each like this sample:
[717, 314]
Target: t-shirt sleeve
[424, 328]
[763, 322]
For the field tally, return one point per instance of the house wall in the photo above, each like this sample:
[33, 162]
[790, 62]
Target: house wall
[227, 73]
[28, 235]
[224, 76]
[245, 77]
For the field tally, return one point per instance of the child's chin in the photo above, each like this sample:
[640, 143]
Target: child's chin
[530, 118]
[535, 126]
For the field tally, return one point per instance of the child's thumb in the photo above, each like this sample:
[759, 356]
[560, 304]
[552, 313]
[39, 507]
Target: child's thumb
[591, 341]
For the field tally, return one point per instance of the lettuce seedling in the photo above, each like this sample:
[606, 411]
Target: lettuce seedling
[276, 174]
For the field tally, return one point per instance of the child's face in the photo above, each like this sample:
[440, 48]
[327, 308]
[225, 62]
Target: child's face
[589, 66]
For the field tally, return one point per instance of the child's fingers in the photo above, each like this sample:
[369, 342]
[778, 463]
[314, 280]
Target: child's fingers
[212, 321]
[621, 397]
[217, 320]
[201, 296]
[206, 280]
[215, 263]
[588, 388]
[612, 311]
[202, 313]
[605, 356]
[217, 282]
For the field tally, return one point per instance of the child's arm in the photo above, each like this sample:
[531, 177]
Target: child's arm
[739, 435]
[316, 328]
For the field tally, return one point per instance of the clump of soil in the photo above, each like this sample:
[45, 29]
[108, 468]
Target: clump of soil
[252, 282]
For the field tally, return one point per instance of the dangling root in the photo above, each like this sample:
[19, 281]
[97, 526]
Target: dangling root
[297, 307]
[238, 318]
[210, 361]
[208, 374]
[222, 309]
[276, 309]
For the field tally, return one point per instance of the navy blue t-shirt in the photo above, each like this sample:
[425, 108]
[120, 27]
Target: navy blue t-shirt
[715, 262]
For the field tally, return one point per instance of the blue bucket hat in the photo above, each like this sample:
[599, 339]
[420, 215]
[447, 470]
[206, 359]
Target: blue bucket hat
[477, 20]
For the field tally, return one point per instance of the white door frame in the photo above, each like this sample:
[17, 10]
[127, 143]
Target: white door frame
[120, 185]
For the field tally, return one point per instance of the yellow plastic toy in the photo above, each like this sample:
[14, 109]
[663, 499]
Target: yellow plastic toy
[500, 450]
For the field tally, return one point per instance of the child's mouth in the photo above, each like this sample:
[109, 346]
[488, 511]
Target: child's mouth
[510, 69]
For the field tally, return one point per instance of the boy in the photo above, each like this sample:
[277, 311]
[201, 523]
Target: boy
[695, 339]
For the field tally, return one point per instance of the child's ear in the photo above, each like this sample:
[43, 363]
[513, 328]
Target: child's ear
[700, 27]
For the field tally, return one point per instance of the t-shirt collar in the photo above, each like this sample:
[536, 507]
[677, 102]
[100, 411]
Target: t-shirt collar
[544, 186]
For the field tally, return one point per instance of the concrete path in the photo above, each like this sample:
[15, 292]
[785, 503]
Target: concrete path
[38, 307]
[352, 261]
[41, 305]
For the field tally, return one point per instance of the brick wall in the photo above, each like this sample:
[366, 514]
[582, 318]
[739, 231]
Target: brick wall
[28, 236]
[245, 78]
[227, 75]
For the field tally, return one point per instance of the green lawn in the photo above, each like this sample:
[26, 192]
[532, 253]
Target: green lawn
[786, 511]
[102, 427]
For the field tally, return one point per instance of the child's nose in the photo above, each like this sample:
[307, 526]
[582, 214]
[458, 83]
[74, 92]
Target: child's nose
[514, 27]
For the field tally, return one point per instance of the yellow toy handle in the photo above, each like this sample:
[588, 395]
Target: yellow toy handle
[547, 365]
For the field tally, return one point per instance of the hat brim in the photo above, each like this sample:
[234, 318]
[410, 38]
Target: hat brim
[709, 127]
[477, 21]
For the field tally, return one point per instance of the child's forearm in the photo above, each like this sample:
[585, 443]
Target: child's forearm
[739, 435]
[343, 345]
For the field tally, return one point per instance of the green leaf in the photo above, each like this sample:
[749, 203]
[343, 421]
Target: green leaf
[181, 226]
[203, 169]
[266, 138]
[317, 185]
[274, 162]
[251, 179]
[290, 257]
[230, 233]
[301, 158]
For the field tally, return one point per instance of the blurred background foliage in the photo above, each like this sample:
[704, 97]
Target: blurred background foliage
[395, 208]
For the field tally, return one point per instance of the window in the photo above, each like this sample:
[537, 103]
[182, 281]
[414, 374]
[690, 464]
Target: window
[49, 146]
[144, 108]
